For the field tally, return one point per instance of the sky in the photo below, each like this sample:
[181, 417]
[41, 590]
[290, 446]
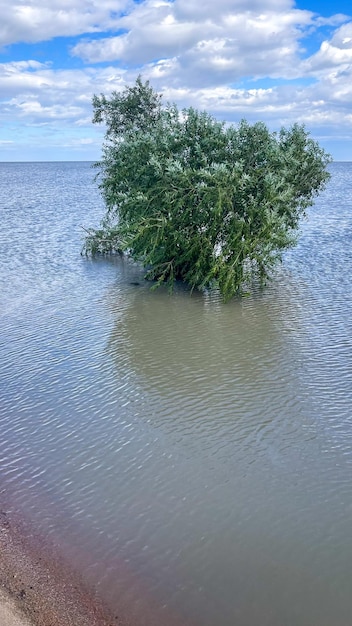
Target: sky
[278, 61]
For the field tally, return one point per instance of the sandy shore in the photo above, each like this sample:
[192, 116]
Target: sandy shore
[10, 614]
[37, 588]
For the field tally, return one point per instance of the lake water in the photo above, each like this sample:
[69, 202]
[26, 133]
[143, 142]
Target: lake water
[194, 459]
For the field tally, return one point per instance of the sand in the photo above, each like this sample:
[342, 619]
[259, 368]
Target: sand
[10, 614]
[37, 588]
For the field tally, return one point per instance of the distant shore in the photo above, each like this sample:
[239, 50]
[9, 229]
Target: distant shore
[37, 588]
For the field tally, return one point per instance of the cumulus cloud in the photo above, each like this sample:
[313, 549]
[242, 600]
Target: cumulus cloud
[334, 53]
[211, 42]
[34, 92]
[38, 20]
[234, 58]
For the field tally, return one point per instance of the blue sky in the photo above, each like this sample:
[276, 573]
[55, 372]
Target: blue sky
[279, 61]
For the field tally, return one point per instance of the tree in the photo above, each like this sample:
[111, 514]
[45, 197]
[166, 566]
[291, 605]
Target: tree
[196, 200]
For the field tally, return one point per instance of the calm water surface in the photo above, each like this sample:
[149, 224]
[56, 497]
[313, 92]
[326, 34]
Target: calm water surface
[194, 458]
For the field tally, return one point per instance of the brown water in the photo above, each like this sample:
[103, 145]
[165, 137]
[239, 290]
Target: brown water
[193, 458]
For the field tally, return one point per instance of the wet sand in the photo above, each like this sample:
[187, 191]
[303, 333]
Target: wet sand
[37, 588]
[10, 614]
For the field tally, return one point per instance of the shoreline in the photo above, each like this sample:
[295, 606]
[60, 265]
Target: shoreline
[37, 588]
[41, 585]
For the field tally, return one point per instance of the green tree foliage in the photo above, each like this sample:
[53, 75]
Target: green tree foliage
[196, 200]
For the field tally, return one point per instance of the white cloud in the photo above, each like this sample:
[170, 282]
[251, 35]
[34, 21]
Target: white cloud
[37, 94]
[141, 44]
[194, 9]
[208, 42]
[334, 53]
[31, 108]
[40, 20]
[199, 53]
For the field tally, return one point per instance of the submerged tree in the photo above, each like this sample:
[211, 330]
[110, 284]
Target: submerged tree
[196, 200]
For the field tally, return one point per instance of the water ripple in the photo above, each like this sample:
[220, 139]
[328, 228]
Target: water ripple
[204, 449]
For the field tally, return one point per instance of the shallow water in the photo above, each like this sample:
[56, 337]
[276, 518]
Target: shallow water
[193, 458]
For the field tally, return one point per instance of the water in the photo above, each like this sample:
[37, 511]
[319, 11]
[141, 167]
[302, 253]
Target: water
[193, 458]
